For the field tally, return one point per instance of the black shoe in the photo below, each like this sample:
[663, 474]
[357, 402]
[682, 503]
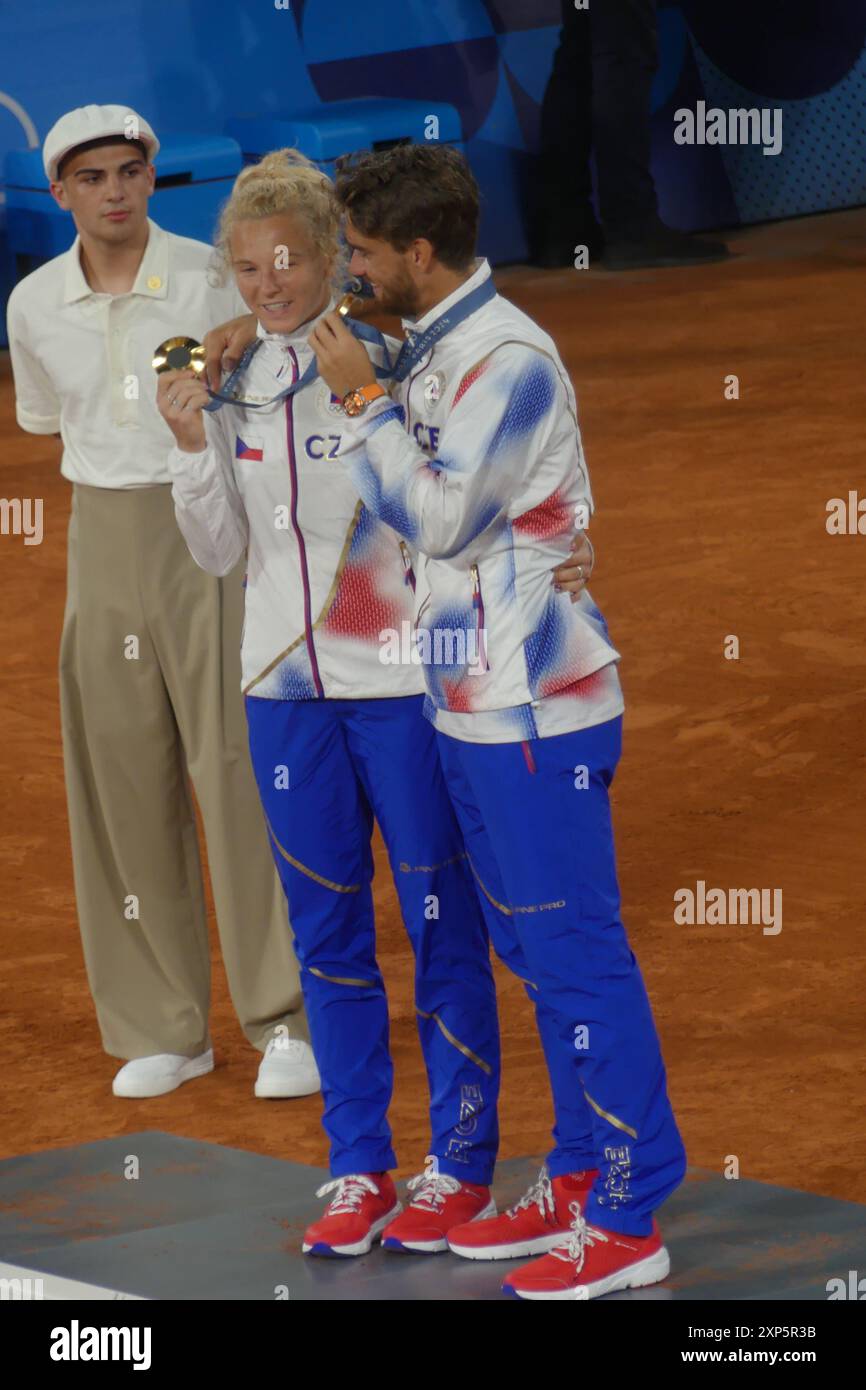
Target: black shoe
[555, 236]
[662, 246]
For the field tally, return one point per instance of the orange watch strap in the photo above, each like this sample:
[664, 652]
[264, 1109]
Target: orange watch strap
[372, 393]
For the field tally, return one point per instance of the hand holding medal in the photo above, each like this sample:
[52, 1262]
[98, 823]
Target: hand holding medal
[181, 393]
[342, 359]
[178, 354]
[182, 356]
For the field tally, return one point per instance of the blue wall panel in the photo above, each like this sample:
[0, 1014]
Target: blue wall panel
[192, 67]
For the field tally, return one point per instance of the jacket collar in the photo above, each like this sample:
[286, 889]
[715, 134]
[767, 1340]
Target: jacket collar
[478, 276]
[151, 280]
[298, 338]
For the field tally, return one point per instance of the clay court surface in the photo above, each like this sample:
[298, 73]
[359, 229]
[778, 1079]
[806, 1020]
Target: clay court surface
[745, 774]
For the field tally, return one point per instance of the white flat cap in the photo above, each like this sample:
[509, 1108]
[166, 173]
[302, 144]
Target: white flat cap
[88, 123]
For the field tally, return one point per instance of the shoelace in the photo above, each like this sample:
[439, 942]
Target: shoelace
[350, 1191]
[541, 1193]
[432, 1189]
[581, 1235]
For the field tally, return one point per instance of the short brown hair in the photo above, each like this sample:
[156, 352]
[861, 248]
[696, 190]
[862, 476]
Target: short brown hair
[413, 191]
[98, 145]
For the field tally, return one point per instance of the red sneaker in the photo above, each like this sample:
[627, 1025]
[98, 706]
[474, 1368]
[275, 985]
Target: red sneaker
[539, 1221]
[440, 1203]
[590, 1263]
[363, 1206]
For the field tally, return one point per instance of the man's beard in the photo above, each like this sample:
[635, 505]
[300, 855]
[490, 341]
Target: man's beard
[400, 297]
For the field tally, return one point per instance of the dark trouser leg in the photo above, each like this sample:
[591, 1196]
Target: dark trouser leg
[394, 749]
[320, 824]
[553, 845]
[624, 61]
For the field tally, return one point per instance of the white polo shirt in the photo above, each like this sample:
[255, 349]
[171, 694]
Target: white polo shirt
[82, 360]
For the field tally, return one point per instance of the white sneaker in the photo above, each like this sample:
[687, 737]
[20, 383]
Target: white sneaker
[288, 1068]
[156, 1076]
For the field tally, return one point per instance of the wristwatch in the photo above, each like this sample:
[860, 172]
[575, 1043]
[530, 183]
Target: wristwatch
[356, 402]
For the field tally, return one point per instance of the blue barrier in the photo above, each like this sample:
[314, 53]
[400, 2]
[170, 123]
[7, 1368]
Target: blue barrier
[370, 123]
[194, 175]
[291, 72]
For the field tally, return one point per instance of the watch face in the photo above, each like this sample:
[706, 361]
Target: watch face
[354, 403]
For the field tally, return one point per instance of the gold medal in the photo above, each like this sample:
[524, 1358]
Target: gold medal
[350, 296]
[176, 354]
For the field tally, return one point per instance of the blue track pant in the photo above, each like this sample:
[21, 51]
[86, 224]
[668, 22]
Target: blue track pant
[324, 769]
[541, 847]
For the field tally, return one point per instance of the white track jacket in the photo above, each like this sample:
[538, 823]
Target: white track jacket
[325, 577]
[480, 467]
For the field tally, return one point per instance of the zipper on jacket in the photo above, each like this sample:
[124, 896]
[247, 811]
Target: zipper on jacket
[407, 566]
[478, 605]
[422, 610]
[422, 367]
[302, 549]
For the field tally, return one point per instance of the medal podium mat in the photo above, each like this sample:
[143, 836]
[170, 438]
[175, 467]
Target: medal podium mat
[201, 1221]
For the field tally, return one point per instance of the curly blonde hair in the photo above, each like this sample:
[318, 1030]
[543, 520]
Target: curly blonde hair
[285, 181]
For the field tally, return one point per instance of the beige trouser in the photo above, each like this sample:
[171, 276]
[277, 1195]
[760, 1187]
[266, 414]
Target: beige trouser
[150, 687]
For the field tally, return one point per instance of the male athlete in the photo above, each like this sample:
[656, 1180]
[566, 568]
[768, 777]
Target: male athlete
[149, 660]
[479, 464]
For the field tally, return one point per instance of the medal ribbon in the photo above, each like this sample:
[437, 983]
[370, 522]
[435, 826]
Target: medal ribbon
[413, 350]
[229, 395]
[409, 355]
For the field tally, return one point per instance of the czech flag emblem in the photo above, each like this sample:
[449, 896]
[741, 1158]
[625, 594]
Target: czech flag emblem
[252, 450]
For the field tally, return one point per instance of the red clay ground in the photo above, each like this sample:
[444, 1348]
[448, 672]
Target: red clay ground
[743, 773]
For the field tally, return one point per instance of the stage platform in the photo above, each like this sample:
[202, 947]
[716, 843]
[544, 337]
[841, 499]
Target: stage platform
[201, 1221]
